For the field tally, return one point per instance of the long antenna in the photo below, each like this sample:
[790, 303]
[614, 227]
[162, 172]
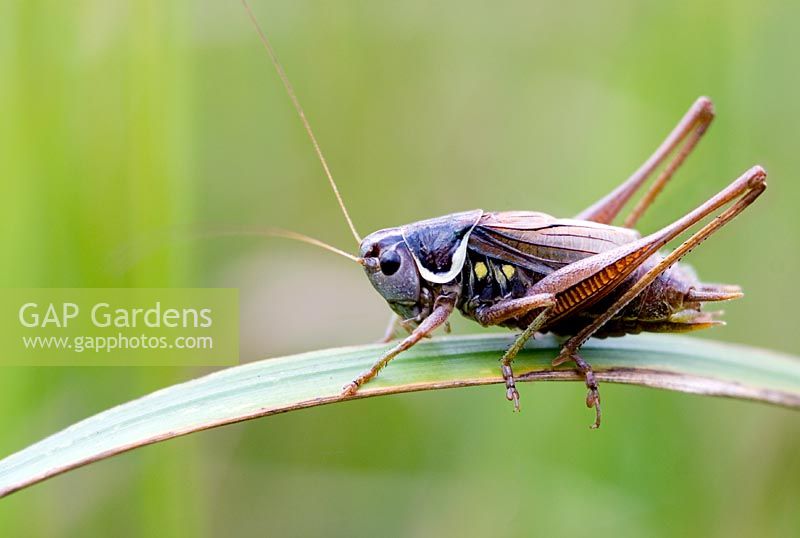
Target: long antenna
[299, 109]
[125, 257]
[286, 234]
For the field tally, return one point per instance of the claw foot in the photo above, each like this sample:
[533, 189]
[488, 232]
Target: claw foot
[350, 389]
[512, 394]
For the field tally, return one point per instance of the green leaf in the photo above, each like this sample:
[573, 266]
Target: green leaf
[278, 385]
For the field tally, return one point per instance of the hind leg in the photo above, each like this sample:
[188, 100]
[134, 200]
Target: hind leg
[744, 191]
[687, 133]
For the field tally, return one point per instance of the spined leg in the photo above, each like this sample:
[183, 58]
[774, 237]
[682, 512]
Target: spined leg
[585, 369]
[508, 357]
[395, 323]
[438, 317]
[689, 130]
[744, 190]
[514, 308]
[391, 329]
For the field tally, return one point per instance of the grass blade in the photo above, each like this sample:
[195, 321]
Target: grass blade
[284, 384]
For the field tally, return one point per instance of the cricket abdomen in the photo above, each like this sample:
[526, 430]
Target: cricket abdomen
[672, 303]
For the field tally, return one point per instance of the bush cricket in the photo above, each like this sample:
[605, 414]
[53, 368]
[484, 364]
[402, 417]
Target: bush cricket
[529, 271]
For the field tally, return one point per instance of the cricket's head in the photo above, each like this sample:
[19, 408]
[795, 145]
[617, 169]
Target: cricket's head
[407, 265]
[392, 271]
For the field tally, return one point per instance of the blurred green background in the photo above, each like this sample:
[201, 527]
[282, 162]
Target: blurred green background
[127, 127]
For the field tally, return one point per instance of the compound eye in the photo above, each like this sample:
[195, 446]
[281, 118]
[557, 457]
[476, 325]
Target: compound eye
[389, 261]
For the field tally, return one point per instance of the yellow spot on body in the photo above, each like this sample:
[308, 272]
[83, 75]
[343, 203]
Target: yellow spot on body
[509, 271]
[481, 270]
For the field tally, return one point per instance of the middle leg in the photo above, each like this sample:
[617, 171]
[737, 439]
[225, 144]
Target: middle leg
[512, 309]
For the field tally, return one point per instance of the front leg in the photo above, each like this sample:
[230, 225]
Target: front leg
[438, 317]
[391, 329]
[395, 323]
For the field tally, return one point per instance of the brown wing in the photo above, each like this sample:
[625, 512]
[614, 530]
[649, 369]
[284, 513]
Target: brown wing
[542, 243]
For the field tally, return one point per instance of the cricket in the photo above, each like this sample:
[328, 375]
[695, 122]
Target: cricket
[577, 277]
